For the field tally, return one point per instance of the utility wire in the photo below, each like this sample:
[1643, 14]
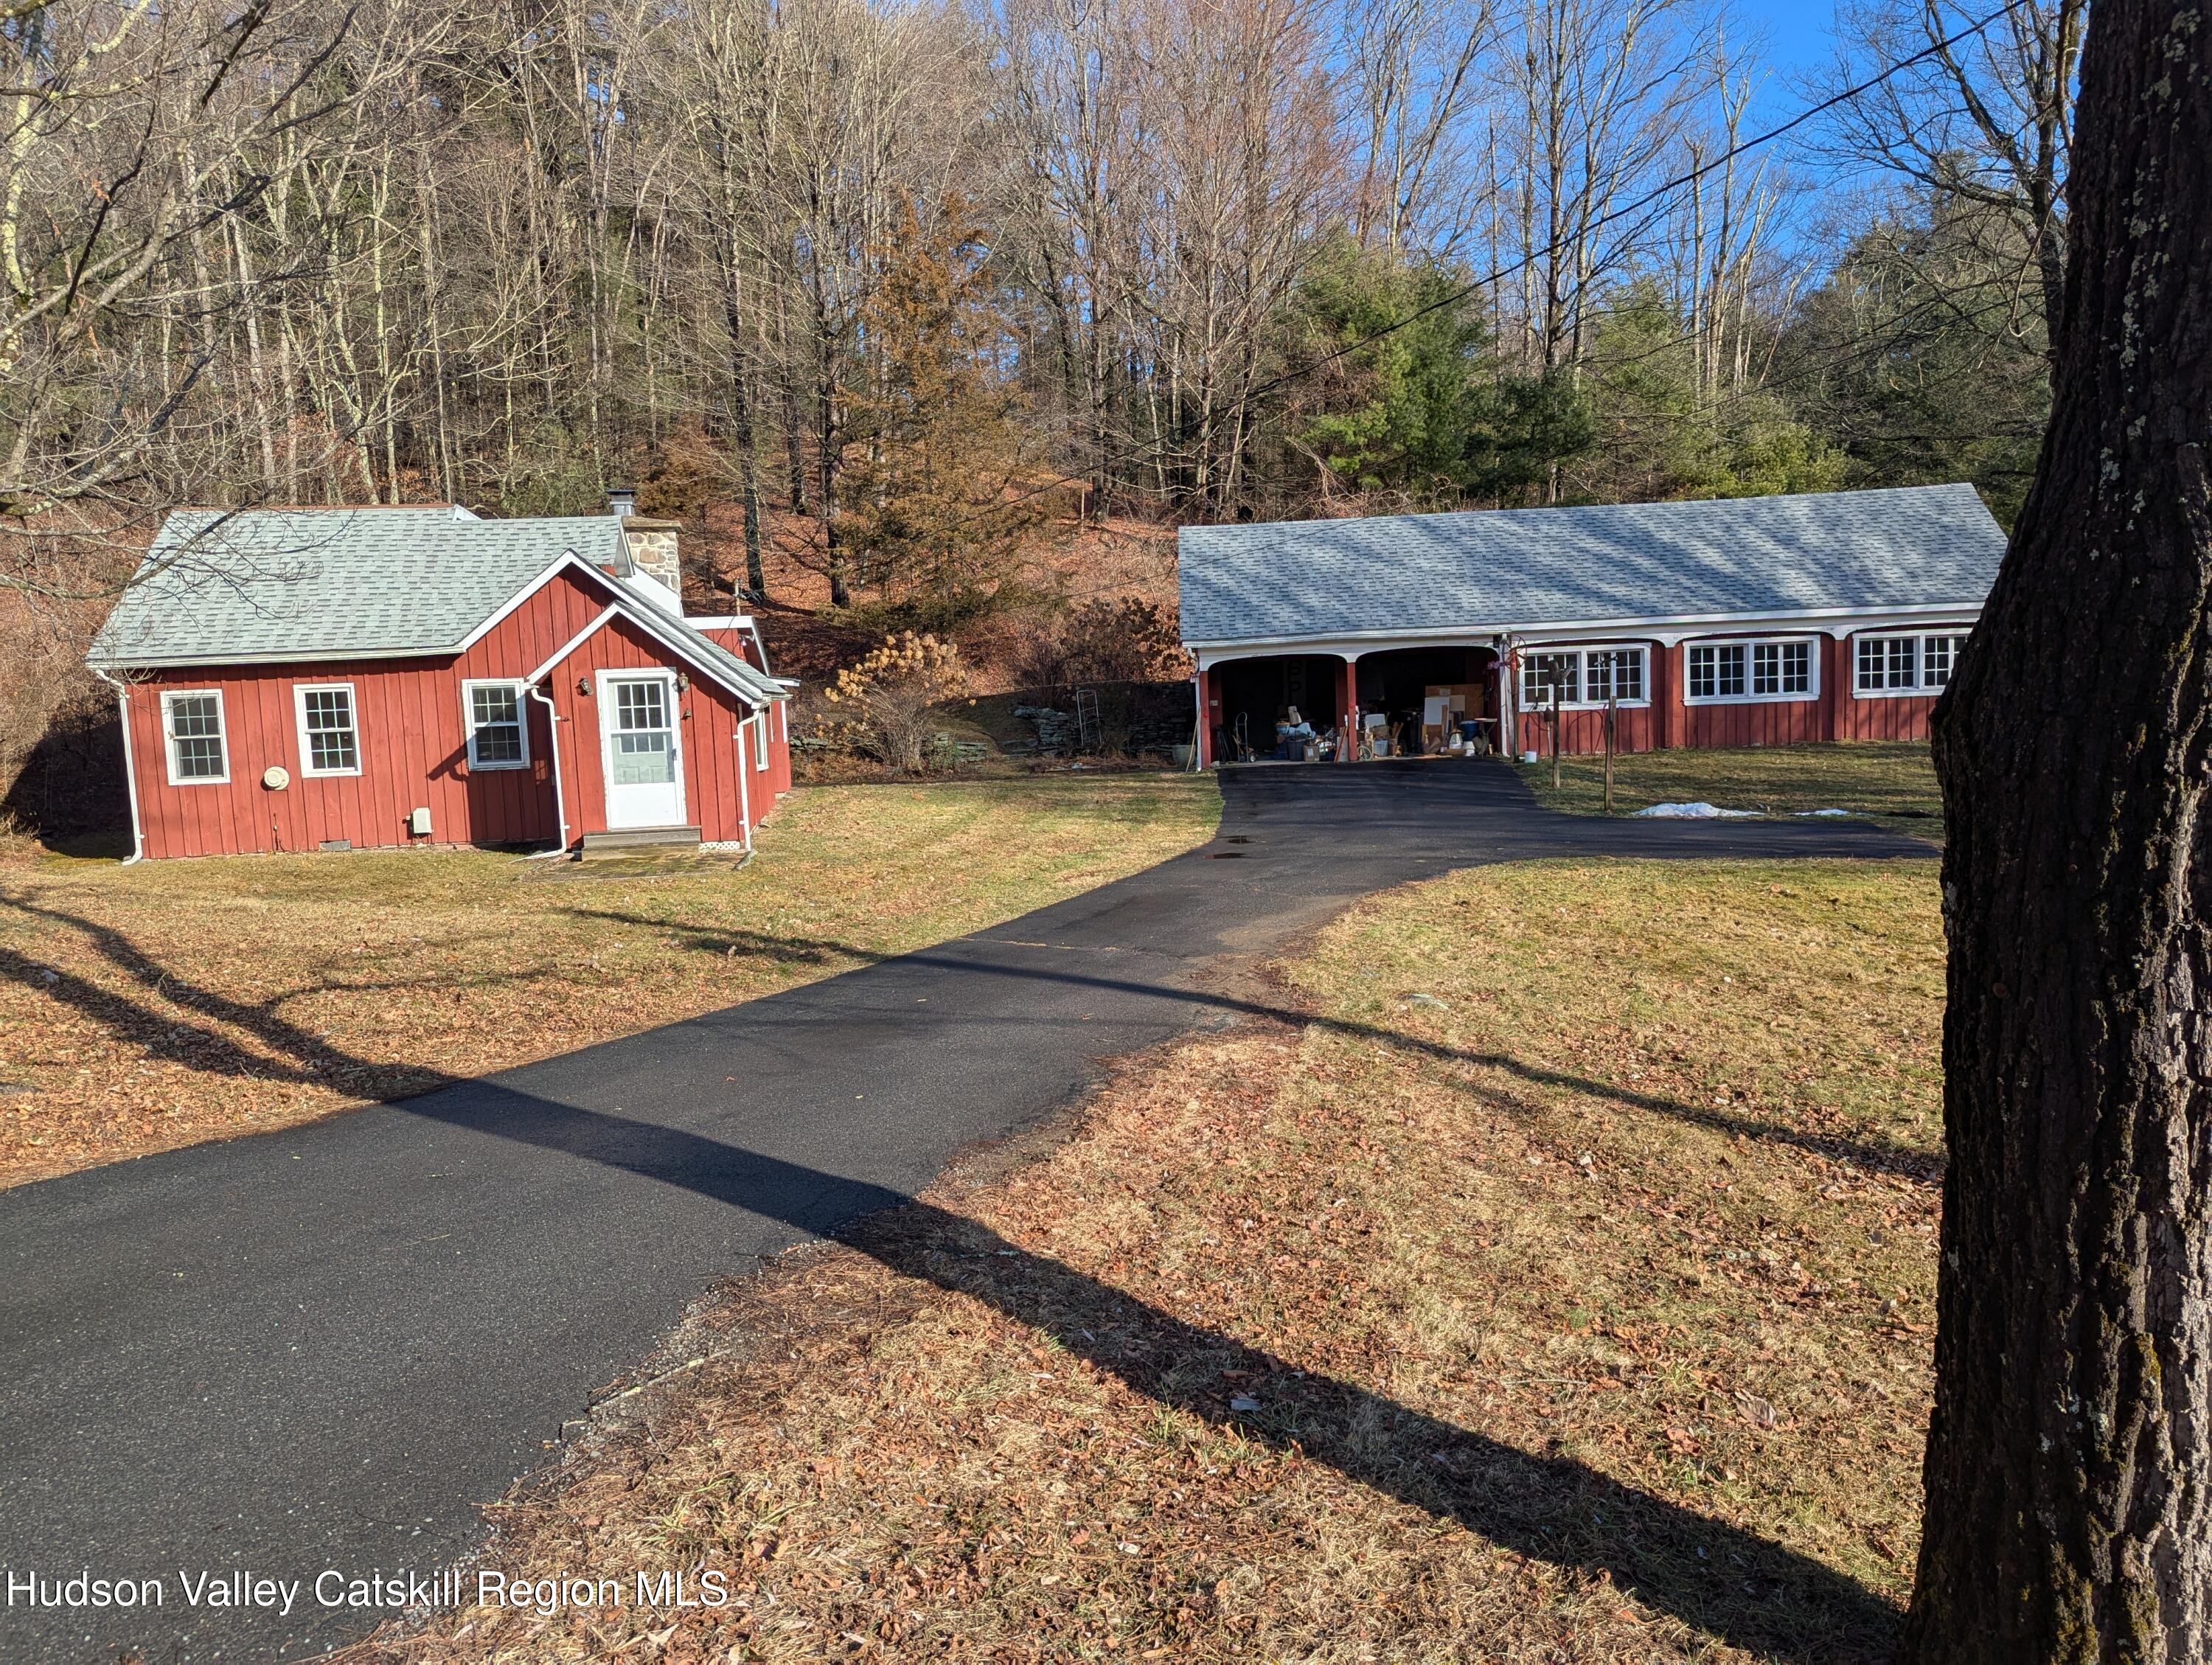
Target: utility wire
[1455, 296]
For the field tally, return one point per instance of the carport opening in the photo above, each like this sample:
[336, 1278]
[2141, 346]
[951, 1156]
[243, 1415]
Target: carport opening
[1258, 696]
[1410, 688]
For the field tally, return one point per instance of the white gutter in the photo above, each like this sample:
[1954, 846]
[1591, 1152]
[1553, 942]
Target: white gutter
[129, 765]
[1670, 627]
[745, 789]
[553, 744]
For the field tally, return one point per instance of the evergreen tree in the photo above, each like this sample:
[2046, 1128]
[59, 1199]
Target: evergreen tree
[939, 506]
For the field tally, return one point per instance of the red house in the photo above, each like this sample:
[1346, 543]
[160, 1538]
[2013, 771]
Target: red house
[371, 679]
[1753, 621]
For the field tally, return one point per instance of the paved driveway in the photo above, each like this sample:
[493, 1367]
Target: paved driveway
[323, 1347]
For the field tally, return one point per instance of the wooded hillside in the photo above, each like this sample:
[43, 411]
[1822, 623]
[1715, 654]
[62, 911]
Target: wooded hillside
[920, 289]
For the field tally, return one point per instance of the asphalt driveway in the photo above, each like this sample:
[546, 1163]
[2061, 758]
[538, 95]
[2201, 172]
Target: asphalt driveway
[323, 1347]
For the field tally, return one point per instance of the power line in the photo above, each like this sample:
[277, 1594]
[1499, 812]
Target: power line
[1475, 286]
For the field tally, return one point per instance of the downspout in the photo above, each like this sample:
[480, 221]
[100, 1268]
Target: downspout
[744, 783]
[129, 765]
[560, 798]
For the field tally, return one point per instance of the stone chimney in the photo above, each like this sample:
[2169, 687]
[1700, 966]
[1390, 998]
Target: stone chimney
[652, 547]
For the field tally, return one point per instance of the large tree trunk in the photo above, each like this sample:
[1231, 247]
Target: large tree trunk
[2070, 1462]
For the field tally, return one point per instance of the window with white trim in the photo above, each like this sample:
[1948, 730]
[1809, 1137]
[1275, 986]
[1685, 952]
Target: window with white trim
[1584, 676]
[192, 727]
[498, 736]
[330, 742]
[1730, 672]
[1916, 664]
[1613, 673]
[760, 740]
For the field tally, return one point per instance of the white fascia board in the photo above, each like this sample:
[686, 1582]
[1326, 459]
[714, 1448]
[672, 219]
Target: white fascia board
[624, 605]
[652, 590]
[613, 610]
[286, 656]
[1669, 628]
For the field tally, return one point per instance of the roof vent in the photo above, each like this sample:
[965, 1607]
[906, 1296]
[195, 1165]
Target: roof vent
[622, 500]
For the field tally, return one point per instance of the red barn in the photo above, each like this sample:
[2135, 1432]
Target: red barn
[371, 679]
[1754, 621]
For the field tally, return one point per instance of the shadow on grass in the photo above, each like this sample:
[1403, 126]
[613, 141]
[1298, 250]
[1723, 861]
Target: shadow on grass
[308, 1057]
[1721, 1579]
[1870, 1156]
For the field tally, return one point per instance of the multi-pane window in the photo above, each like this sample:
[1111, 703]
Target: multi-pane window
[1721, 671]
[192, 724]
[644, 749]
[1717, 671]
[1937, 655]
[1906, 663]
[1549, 678]
[1779, 669]
[496, 738]
[1615, 673]
[328, 742]
[1582, 677]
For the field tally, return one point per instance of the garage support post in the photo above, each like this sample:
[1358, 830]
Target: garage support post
[1347, 722]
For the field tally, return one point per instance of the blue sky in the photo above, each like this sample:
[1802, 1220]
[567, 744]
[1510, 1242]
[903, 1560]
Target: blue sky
[1796, 39]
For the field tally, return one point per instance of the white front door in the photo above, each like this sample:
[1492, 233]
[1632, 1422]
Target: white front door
[644, 759]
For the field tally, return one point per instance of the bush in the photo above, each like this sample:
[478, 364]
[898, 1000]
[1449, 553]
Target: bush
[884, 702]
[1127, 641]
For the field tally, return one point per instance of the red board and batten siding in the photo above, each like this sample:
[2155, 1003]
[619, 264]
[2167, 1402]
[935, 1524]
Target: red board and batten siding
[708, 736]
[412, 744]
[1835, 713]
[1583, 731]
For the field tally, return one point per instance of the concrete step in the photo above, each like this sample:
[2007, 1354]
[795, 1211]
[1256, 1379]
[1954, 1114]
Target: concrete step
[630, 841]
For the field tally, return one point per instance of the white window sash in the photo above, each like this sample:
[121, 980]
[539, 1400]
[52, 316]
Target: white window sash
[470, 727]
[169, 736]
[1919, 688]
[1536, 701]
[760, 741]
[1749, 647]
[352, 730]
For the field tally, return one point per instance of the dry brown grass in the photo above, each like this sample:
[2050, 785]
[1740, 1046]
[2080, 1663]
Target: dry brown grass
[1556, 1289]
[1889, 782]
[154, 1006]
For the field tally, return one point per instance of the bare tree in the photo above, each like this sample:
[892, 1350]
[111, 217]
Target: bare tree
[1985, 114]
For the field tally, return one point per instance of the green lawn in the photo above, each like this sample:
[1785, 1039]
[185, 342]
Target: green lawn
[1892, 782]
[172, 1002]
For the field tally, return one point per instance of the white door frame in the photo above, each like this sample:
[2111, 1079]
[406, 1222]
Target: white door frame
[610, 703]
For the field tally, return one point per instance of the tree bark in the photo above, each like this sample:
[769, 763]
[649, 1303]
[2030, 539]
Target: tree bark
[744, 442]
[2070, 1460]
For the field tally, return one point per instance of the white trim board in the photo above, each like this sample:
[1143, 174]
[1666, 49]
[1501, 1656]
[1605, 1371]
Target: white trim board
[169, 738]
[1668, 631]
[307, 770]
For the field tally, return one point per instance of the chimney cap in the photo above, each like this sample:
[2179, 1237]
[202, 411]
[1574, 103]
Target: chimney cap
[622, 500]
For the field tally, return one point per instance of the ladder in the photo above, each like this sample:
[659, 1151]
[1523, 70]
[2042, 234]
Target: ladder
[1086, 719]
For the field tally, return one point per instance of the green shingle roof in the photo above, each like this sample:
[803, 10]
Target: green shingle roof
[292, 584]
[281, 585]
